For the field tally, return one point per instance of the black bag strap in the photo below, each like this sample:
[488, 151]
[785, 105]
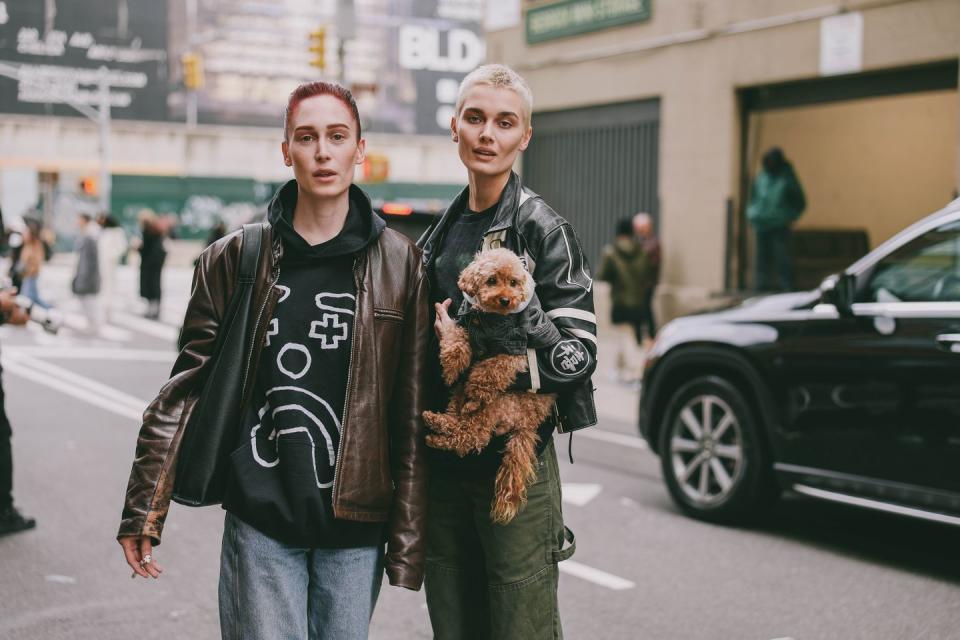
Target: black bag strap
[249, 255]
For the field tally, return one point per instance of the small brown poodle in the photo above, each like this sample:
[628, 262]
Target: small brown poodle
[498, 288]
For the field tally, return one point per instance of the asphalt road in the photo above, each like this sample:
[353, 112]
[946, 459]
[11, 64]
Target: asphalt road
[809, 571]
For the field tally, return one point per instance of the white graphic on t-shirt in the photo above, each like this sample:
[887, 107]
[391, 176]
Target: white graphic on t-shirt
[329, 307]
[287, 419]
[272, 329]
[336, 331]
[291, 411]
[295, 347]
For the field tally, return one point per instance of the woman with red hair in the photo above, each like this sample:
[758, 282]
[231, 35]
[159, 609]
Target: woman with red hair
[328, 458]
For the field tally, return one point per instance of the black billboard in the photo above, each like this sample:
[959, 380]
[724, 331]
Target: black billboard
[58, 50]
[403, 58]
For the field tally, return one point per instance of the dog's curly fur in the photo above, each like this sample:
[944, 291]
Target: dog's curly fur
[482, 407]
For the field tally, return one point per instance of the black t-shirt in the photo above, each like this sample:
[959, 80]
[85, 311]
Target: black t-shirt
[460, 244]
[283, 472]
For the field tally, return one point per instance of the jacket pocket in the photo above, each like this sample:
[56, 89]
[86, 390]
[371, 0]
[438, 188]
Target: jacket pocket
[389, 315]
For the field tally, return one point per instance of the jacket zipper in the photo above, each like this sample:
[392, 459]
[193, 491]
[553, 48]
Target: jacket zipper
[346, 400]
[256, 327]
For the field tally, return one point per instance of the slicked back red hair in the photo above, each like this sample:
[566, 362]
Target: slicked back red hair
[311, 89]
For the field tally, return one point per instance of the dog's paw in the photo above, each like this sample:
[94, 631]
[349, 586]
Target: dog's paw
[437, 422]
[438, 441]
[470, 406]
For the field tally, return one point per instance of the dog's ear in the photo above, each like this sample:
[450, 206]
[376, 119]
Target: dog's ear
[469, 280]
[529, 286]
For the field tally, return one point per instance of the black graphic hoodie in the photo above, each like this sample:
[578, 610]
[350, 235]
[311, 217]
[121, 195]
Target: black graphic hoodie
[283, 471]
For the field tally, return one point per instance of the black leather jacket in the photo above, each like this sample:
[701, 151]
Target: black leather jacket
[562, 338]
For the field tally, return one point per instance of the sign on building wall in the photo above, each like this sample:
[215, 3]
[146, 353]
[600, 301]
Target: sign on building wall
[572, 17]
[841, 44]
[58, 48]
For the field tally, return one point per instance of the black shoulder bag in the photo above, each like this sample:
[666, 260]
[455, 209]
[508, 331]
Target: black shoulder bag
[212, 431]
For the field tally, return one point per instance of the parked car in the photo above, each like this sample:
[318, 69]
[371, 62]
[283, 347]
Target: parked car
[848, 393]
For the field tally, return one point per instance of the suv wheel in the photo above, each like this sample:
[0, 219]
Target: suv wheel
[712, 458]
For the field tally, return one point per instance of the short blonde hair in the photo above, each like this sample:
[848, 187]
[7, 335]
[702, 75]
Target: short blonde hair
[498, 76]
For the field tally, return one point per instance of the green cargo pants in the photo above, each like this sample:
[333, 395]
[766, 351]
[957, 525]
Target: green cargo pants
[487, 581]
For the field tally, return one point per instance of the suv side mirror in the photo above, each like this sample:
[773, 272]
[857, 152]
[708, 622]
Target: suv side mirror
[839, 290]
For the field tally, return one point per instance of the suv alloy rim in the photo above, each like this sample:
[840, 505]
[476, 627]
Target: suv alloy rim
[706, 450]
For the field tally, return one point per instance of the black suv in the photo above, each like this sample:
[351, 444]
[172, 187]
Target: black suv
[849, 393]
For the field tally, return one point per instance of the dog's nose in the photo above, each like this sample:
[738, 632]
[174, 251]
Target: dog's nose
[504, 302]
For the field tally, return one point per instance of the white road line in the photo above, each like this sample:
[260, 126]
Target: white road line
[93, 353]
[74, 322]
[580, 494]
[602, 578]
[149, 327]
[594, 433]
[123, 410]
[79, 386]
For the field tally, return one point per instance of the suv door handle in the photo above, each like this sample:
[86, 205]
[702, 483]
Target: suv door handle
[949, 342]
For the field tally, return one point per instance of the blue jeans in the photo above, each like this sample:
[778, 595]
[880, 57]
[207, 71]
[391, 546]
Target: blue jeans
[29, 289]
[271, 591]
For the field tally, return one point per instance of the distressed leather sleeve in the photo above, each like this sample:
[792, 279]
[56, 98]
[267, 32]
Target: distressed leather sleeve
[151, 478]
[406, 545]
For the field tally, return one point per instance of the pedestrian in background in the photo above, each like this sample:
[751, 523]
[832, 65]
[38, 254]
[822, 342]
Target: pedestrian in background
[624, 265]
[488, 580]
[86, 279]
[113, 246]
[650, 243]
[153, 254]
[216, 232]
[346, 320]
[11, 520]
[31, 255]
[776, 201]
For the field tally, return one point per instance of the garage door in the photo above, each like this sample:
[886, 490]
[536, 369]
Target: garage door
[596, 165]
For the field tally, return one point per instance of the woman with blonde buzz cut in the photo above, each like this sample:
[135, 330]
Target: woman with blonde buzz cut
[487, 580]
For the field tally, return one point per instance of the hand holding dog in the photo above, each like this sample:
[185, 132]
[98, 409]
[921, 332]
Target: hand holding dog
[443, 322]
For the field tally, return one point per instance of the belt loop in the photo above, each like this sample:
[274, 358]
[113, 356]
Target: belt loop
[568, 549]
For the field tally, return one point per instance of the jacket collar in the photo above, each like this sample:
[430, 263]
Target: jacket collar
[503, 218]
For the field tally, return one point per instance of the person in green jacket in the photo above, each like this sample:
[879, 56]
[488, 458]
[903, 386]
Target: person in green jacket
[625, 265]
[776, 201]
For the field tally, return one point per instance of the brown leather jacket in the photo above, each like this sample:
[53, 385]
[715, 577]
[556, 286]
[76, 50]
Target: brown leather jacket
[381, 475]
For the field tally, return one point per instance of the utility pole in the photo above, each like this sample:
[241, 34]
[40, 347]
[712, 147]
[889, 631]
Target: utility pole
[346, 30]
[103, 119]
[192, 86]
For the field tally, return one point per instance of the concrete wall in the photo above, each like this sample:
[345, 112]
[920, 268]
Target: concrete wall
[694, 55]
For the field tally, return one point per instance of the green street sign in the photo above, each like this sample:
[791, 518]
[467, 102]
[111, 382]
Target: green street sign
[571, 17]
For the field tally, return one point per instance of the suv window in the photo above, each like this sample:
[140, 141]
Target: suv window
[926, 269]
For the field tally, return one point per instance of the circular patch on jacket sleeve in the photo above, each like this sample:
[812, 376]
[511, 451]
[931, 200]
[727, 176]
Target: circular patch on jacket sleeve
[569, 358]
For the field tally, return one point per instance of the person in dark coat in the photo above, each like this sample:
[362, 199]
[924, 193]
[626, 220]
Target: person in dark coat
[776, 201]
[86, 280]
[625, 266]
[152, 256]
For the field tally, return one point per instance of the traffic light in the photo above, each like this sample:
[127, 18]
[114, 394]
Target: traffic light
[88, 186]
[192, 70]
[318, 47]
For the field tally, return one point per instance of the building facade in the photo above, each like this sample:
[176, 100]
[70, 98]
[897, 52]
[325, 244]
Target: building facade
[668, 106]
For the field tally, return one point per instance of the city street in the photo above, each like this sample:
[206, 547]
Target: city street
[812, 571]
